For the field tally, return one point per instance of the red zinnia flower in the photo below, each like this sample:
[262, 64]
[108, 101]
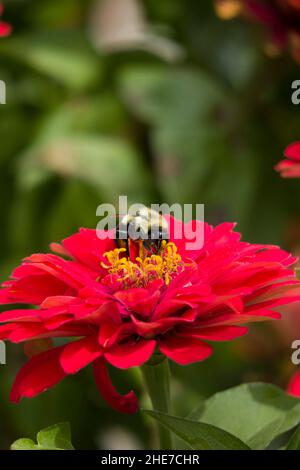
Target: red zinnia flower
[290, 168]
[280, 17]
[294, 385]
[121, 309]
[5, 28]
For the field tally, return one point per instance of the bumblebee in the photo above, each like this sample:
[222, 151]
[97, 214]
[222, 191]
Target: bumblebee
[144, 231]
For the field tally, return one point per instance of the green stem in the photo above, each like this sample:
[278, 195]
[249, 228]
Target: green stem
[156, 375]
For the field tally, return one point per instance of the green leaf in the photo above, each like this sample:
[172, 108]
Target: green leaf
[65, 57]
[199, 436]
[109, 164]
[23, 444]
[176, 98]
[181, 107]
[56, 437]
[294, 442]
[257, 413]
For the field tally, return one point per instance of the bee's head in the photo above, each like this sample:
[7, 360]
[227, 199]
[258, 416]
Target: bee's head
[146, 226]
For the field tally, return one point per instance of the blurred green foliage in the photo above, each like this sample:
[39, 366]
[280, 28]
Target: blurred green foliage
[189, 110]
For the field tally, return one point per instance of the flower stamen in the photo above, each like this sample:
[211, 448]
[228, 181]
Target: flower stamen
[138, 273]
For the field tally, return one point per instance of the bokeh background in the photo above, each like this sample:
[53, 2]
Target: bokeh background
[162, 101]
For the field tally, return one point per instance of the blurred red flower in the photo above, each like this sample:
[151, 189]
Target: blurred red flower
[5, 28]
[294, 385]
[281, 18]
[121, 308]
[290, 167]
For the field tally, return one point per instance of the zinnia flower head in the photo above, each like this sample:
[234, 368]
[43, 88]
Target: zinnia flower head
[281, 18]
[119, 309]
[5, 28]
[290, 167]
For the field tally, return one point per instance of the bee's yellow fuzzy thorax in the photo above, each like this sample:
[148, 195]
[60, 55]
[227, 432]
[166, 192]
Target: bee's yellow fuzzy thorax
[143, 270]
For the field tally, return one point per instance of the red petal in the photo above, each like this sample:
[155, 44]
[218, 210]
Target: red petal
[139, 300]
[5, 330]
[34, 289]
[131, 354]
[79, 354]
[4, 296]
[294, 385]
[268, 15]
[184, 235]
[110, 333]
[184, 350]
[87, 248]
[38, 375]
[25, 331]
[288, 168]
[222, 333]
[19, 315]
[59, 301]
[58, 249]
[72, 274]
[57, 321]
[122, 403]
[293, 151]
[5, 29]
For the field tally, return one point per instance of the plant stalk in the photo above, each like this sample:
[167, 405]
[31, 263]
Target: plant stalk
[156, 376]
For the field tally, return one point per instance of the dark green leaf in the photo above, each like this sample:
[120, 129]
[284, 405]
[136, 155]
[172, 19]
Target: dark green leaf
[257, 413]
[199, 436]
[294, 442]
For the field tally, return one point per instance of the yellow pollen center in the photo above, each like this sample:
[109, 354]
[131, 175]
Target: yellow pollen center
[139, 273]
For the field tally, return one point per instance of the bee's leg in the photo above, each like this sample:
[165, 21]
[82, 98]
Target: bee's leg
[135, 249]
[122, 243]
[148, 246]
[141, 249]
